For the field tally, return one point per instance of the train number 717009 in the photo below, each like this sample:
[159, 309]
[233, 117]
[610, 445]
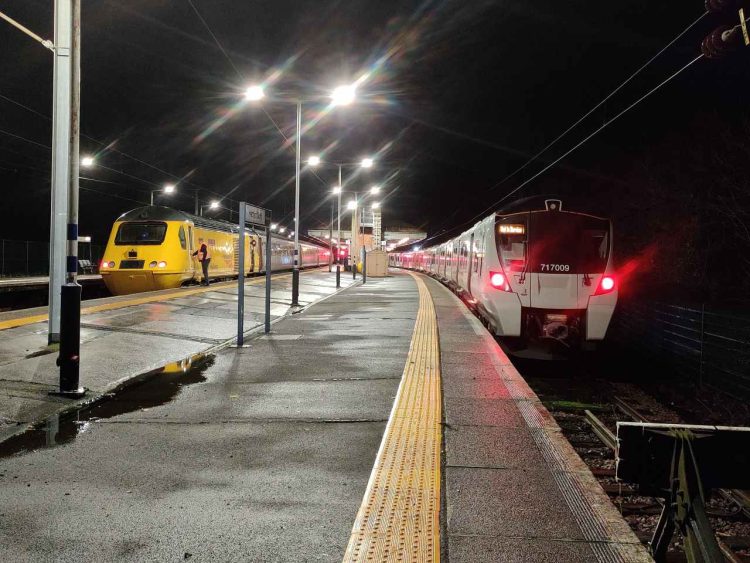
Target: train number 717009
[555, 267]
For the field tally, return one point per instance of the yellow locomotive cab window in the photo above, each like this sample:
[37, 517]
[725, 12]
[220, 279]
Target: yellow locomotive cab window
[137, 233]
[183, 242]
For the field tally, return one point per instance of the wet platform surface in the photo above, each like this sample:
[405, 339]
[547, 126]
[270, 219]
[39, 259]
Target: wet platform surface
[129, 335]
[268, 452]
[264, 458]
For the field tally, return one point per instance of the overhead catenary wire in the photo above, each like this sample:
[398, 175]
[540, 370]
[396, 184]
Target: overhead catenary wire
[599, 129]
[600, 104]
[577, 145]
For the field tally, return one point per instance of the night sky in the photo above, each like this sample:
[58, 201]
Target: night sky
[459, 95]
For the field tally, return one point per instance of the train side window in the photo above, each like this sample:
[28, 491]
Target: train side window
[183, 242]
[190, 238]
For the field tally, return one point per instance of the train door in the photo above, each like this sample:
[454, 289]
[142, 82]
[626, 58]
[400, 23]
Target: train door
[511, 237]
[191, 249]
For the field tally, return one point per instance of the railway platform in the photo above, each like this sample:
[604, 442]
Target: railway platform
[41, 282]
[382, 423]
[127, 336]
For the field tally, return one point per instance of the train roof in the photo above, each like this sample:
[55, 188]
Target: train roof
[161, 213]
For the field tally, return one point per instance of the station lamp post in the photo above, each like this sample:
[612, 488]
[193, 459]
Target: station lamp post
[365, 163]
[341, 96]
[167, 189]
[213, 205]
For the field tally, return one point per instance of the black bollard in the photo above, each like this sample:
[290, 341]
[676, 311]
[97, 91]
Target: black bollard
[70, 340]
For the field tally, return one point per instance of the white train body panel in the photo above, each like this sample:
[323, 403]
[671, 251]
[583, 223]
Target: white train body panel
[555, 267]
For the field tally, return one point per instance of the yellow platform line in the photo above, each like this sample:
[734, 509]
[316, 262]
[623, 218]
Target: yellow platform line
[399, 519]
[31, 319]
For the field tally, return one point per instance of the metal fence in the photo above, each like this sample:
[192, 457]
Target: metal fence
[27, 258]
[707, 345]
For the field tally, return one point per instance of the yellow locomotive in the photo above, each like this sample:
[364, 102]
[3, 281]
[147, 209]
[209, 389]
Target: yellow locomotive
[152, 248]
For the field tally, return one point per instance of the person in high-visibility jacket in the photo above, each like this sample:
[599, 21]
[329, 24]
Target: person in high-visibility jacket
[205, 260]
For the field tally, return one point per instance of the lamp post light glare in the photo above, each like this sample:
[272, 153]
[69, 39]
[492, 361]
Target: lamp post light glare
[351, 205]
[282, 229]
[168, 189]
[87, 161]
[274, 226]
[375, 190]
[376, 205]
[214, 204]
[336, 190]
[254, 93]
[367, 163]
[343, 95]
[313, 160]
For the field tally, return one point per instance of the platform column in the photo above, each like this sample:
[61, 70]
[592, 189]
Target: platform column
[70, 297]
[268, 274]
[60, 161]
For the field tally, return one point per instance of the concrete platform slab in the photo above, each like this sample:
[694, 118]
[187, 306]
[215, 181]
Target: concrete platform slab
[515, 502]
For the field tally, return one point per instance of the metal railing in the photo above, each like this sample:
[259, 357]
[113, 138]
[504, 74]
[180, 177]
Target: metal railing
[709, 345]
[28, 258]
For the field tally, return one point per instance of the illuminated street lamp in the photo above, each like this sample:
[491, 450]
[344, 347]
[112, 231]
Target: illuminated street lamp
[376, 205]
[282, 229]
[313, 161]
[168, 189]
[255, 93]
[343, 95]
[213, 205]
[87, 161]
[274, 226]
[367, 163]
[351, 205]
[375, 190]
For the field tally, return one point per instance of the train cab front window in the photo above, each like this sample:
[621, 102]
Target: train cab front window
[510, 233]
[568, 243]
[147, 233]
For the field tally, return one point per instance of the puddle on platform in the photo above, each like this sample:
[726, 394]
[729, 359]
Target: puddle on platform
[154, 388]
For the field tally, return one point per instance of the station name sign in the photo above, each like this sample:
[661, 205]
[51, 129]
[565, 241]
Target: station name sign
[512, 229]
[255, 215]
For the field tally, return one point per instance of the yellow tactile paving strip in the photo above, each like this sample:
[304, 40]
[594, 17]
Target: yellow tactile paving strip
[22, 321]
[399, 516]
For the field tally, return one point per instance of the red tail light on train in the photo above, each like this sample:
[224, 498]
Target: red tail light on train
[606, 285]
[499, 281]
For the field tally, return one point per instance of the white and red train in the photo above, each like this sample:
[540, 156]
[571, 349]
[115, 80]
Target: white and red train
[535, 275]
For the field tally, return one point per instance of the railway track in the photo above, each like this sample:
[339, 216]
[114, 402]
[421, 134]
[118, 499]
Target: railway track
[590, 430]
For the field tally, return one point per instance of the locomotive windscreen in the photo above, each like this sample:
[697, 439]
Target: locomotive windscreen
[553, 242]
[140, 233]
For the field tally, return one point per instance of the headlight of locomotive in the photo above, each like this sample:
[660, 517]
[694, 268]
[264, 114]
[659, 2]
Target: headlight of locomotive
[152, 264]
[162, 264]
